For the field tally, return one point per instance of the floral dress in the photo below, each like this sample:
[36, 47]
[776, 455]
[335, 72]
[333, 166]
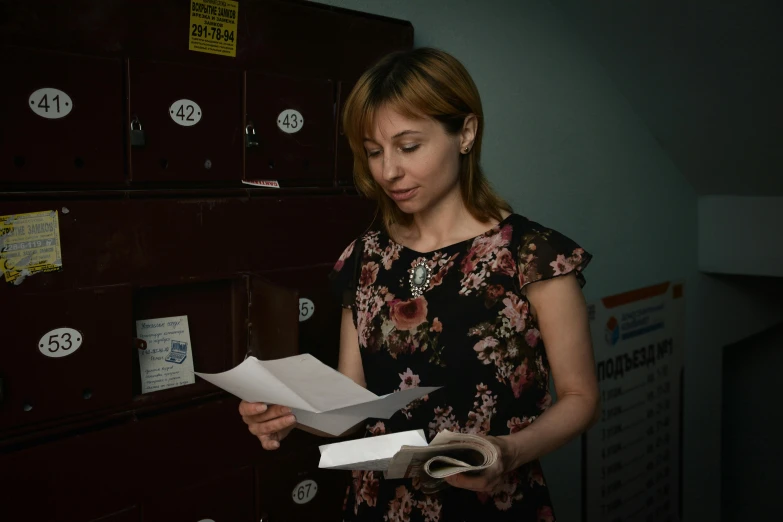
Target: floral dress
[471, 332]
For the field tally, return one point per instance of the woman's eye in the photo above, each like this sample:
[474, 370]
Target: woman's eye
[371, 153]
[410, 148]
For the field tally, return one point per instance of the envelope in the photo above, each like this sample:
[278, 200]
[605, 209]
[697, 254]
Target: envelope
[369, 453]
[320, 397]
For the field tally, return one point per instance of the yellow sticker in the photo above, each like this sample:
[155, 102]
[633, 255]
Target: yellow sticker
[29, 244]
[213, 26]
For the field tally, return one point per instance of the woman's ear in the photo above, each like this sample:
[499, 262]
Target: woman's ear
[468, 133]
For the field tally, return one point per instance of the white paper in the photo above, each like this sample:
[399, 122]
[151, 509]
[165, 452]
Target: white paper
[168, 360]
[319, 396]
[369, 453]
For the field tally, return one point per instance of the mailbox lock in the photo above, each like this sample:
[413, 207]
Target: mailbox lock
[137, 136]
[251, 139]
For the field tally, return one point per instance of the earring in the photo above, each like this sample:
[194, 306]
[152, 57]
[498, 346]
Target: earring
[465, 150]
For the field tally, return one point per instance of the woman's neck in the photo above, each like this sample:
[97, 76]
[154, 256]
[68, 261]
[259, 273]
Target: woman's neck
[445, 224]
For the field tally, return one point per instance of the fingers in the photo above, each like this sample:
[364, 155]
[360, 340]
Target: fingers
[258, 412]
[272, 426]
[270, 423]
[269, 442]
[251, 408]
[479, 483]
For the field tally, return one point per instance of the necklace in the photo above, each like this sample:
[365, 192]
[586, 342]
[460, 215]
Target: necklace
[420, 276]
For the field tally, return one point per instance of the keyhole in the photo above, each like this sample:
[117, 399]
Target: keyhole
[271, 164]
[164, 163]
[78, 163]
[27, 406]
[19, 161]
[87, 393]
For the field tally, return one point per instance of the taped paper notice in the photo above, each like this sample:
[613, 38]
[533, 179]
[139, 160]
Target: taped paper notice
[29, 244]
[268, 183]
[213, 27]
[168, 360]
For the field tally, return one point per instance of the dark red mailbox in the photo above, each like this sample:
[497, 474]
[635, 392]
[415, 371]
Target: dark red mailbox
[185, 122]
[60, 118]
[290, 129]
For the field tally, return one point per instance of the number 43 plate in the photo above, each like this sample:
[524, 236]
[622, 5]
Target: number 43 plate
[290, 121]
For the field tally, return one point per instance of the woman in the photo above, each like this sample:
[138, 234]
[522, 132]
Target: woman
[453, 290]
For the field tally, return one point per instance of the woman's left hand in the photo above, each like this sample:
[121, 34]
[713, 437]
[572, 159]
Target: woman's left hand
[489, 479]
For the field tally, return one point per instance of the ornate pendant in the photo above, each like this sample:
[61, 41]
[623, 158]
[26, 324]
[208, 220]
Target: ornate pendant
[420, 276]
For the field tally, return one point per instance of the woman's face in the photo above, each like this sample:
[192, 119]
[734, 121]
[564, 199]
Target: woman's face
[414, 161]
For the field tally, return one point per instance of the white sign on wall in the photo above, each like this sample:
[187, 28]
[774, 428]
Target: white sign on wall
[631, 459]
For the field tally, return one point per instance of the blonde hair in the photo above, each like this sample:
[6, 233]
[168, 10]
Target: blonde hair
[423, 82]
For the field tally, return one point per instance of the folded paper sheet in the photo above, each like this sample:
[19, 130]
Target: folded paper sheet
[319, 396]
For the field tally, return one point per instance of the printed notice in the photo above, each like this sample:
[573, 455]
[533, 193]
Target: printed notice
[29, 244]
[168, 360]
[213, 27]
[632, 456]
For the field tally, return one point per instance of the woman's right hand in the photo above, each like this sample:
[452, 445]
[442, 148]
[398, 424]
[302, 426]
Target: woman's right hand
[270, 423]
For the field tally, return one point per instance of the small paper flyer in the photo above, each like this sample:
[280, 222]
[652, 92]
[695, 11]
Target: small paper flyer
[168, 360]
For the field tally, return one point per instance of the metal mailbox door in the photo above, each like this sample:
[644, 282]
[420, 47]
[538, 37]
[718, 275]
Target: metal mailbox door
[290, 127]
[300, 490]
[185, 123]
[55, 126]
[49, 480]
[209, 339]
[224, 498]
[318, 310]
[365, 40]
[64, 354]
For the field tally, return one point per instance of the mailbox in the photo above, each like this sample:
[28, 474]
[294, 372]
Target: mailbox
[60, 118]
[73, 476]
[225, 497]
[198, 325]
[318, 312]
[300, 490]
[65, 354]
[184, 123]
[290, 129]
[365, 40]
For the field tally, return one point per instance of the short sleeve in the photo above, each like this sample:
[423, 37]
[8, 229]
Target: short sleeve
[342, 277]
[545, 253]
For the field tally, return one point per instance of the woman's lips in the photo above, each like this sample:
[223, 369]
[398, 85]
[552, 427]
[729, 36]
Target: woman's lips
[402, 195]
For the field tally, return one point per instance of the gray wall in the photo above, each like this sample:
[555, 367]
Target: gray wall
[567, 150]
[754, 222]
